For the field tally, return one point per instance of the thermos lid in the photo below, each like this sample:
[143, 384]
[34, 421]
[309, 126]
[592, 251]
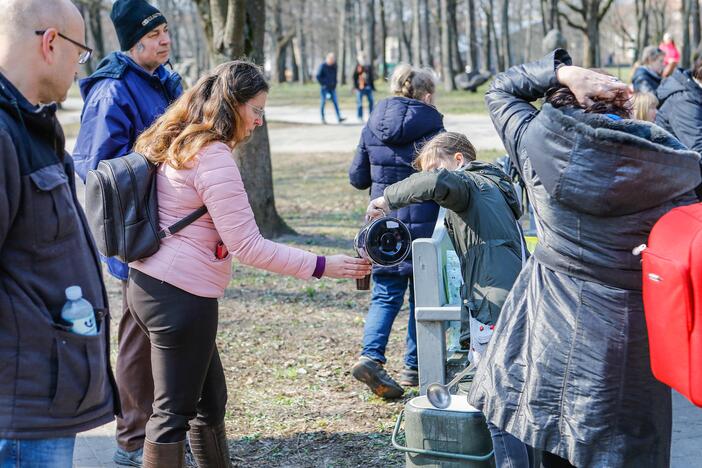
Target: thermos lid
[385, 241]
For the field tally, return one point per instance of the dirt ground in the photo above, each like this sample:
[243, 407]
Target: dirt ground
[287, 345]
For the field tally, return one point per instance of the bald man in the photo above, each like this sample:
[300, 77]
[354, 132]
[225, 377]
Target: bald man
[54, 381]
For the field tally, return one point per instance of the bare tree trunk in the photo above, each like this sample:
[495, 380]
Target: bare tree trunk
[253, 157]
[342, 44]
[371, 52]
[473, 52]
[506, 46]
[383, 40]
[300, 46]
[457, 65]
[487, 49]
[685, 18]
[591, 13]
[446, 48]
[426, 48]
[405, 39]
[695, 17]
[416, 33]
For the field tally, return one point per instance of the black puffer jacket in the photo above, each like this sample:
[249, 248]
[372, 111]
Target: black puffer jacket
[567, 369]
[680, 108]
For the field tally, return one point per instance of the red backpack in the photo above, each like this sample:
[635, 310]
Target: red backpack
[672, 297]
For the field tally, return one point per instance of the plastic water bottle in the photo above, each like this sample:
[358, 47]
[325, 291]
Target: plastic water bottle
[79, 312]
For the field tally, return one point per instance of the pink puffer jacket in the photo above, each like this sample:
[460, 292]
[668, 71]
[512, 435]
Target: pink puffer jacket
[187, 260]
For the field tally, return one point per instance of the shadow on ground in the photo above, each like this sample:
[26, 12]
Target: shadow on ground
[317, 449]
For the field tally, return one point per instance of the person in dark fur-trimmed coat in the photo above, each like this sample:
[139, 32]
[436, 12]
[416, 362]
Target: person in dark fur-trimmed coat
[567, 370]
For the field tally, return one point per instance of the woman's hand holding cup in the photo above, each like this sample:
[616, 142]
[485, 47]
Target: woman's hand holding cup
[343, 266]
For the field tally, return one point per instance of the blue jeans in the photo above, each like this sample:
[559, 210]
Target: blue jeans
[37, 453]
[386, 300]
[332, 95]
[510, 452]
[368, 93]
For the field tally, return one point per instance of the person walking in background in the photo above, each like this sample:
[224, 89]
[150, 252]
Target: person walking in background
[326, 77]
[568, 369]
[126, 93]
[54, 382]
[363, 78]
[647, 76]
[395, 131]
[174, 293]
[672, 54]
[680, 108]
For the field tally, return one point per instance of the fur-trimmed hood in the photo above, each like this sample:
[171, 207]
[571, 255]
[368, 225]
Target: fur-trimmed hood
[608, 167]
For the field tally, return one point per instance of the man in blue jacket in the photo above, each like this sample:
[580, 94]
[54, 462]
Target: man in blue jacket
[326, 76]
[127, 92]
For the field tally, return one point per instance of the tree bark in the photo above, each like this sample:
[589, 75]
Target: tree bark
[383, 40]
[341, 41]
[506, 46]
[426, 48]
[457, 65]
[446, 70]
[591, 13]
[300, 46]
[416, 33]
[254, 156]
[685, 49]
[473, 51]
[405, 39]
[695, 17]
[370, 32]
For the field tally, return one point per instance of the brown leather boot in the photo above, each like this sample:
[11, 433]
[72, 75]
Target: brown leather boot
[209, 446]
[167, 455]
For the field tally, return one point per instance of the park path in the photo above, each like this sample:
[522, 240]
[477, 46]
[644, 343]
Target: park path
[297, 130]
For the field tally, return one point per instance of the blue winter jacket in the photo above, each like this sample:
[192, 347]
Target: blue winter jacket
[396, 130]
[121, 100]
[326, 76]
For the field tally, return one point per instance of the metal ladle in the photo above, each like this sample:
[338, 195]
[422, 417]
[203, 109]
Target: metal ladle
[438, 394]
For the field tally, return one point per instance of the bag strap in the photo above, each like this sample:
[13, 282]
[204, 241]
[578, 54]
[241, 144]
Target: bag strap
[178, 225]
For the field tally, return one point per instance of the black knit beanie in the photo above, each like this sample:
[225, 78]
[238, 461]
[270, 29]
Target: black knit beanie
[133, 19]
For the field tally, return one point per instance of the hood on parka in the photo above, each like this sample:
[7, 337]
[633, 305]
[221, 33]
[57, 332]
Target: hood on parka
[606, 167]
[400, 120]
[680, 81]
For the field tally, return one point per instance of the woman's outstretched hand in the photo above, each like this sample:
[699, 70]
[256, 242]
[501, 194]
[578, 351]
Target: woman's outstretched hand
[343, 266]
[377, 208]
[588, 85]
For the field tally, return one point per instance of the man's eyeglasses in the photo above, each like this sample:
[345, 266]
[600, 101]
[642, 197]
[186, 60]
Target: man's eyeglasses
[260, 113]
[86, 51]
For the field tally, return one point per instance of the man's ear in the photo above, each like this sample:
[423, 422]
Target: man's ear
[48, 40]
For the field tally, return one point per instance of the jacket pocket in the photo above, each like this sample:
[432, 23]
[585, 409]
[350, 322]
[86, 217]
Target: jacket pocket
[82, 376]
[52, 204]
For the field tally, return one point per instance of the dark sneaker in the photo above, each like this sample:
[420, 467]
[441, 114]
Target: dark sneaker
[133, 458]
[341, 119]
[373, 374]
[409, 377]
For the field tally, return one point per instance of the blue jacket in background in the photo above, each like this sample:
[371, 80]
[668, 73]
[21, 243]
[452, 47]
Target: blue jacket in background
[326, 76]
[680, 108]
[645, 80]
[396, 130]
[121, 100]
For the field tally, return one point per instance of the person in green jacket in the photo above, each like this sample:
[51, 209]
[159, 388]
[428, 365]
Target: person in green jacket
[482, 223]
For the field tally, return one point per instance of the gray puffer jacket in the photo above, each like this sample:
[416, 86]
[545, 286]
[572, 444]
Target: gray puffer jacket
[567, 370]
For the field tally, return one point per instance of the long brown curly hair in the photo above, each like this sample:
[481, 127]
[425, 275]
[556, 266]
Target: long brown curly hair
[206, 113]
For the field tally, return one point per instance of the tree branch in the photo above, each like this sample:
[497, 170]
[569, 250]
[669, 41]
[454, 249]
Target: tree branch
[602, 13]
[577, 9]
[571, 24]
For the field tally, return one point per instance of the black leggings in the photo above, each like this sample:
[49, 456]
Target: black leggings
[188, 377]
